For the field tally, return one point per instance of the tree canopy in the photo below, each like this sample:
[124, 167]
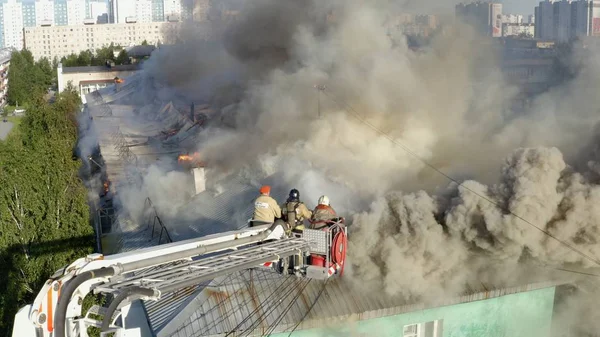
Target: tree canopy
[97, 58]
[44, 216]
[28, 79]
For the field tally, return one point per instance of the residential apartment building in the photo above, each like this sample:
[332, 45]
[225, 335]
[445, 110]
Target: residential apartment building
[5, 55]
[75, 12]
[12, 22]
[518, 29]
[561, 24]
[544, 18]
[485, 17]
[564, 20]
[44, 12]
[59, 41]
[512, 18]
[29, 17]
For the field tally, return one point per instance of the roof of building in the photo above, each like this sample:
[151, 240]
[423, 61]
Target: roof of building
[255, 299]
[101, 69]
[5, 54]
[140, 51]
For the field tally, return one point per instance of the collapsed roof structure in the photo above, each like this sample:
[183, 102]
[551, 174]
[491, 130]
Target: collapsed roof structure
[131, 137]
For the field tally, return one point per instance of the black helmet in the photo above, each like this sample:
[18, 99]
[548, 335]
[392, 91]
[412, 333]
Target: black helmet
[294, 195]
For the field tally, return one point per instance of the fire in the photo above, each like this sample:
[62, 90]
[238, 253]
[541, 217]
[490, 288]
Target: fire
[186, 158]
[106, 186]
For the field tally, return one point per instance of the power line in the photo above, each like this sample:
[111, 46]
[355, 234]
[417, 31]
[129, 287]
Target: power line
[310, 308]
[358, 116]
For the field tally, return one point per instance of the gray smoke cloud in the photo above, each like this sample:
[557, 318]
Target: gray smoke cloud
[413, 234]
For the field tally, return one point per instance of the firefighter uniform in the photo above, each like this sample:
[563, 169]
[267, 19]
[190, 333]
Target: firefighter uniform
[266, 209]
[323, 213]
[299, 208]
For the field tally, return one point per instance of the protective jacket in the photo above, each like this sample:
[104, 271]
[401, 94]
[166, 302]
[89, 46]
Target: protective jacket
[266, 209]
[323, 213]
[302, 212]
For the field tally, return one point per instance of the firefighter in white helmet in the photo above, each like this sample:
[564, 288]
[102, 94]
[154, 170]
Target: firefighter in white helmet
[322, 213]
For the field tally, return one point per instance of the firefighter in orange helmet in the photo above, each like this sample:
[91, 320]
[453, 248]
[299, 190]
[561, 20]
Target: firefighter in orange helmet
[322, 213]
[266, 209]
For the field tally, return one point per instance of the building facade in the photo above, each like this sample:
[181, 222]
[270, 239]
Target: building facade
[75, 12]
[485, 17]
[59, 41]
[521, 30]
[544, 18]
[561, 24]
[564, 20]
[13, 24]
[5, 54]
[90, 79]
[44, 12]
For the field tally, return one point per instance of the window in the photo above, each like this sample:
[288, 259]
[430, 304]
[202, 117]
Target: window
[427, 329]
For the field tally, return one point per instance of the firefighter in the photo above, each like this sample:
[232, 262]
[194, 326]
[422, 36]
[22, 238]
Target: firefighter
[266, 209]
[299, 210]
[322, 213]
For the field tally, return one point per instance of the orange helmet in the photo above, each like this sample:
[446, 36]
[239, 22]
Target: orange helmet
[265, 189]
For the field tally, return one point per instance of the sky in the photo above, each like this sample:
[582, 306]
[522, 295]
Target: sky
[524, 7]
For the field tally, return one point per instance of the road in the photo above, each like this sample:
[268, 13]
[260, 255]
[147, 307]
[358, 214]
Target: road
[5, 129]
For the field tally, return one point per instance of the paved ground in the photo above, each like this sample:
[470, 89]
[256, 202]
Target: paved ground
[5, 129]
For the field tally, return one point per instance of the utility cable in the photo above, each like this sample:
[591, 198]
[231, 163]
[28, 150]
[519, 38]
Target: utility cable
[285, 311]
[310, 308]
[394, 141]
[260, 306]
[271, 309]
[225, 316]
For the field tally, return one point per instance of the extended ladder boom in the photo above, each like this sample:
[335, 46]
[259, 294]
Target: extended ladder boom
[150, 273]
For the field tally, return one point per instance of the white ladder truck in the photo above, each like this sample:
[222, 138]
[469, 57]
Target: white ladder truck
[150, 273]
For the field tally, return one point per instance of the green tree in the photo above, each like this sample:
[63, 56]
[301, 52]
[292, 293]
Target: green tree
[26, 79]
[85, 58]
[144, 43]
[44, 218]
[122, 58]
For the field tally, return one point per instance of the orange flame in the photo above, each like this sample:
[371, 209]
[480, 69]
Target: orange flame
[186, 158]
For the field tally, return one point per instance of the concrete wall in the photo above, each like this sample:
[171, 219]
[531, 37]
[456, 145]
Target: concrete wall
[76, 78]
[527, 314]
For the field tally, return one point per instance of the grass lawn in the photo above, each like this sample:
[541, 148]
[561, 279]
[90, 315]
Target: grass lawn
[16, 120]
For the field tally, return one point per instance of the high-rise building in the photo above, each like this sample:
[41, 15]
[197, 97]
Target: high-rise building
[60, 13]
[561, 24]
[594, 18]
[172, 10]
[580, 18]
[75, 12]
[531, 19]
[485, 17]
[158, 10]
[143, 10]
[544, 18]
[44, 12]
[29, 17]
[13, 24]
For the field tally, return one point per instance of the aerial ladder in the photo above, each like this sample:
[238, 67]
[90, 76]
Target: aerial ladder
[151, 273]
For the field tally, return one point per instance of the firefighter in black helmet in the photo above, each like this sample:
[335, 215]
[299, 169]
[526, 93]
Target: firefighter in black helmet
[295, 211]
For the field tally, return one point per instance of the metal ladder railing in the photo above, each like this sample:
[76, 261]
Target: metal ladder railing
[175, 275]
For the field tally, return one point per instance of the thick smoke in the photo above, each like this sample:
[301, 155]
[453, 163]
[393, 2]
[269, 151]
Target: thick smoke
[413, 234]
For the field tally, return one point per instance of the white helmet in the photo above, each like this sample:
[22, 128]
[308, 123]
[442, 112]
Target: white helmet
[324, 200]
